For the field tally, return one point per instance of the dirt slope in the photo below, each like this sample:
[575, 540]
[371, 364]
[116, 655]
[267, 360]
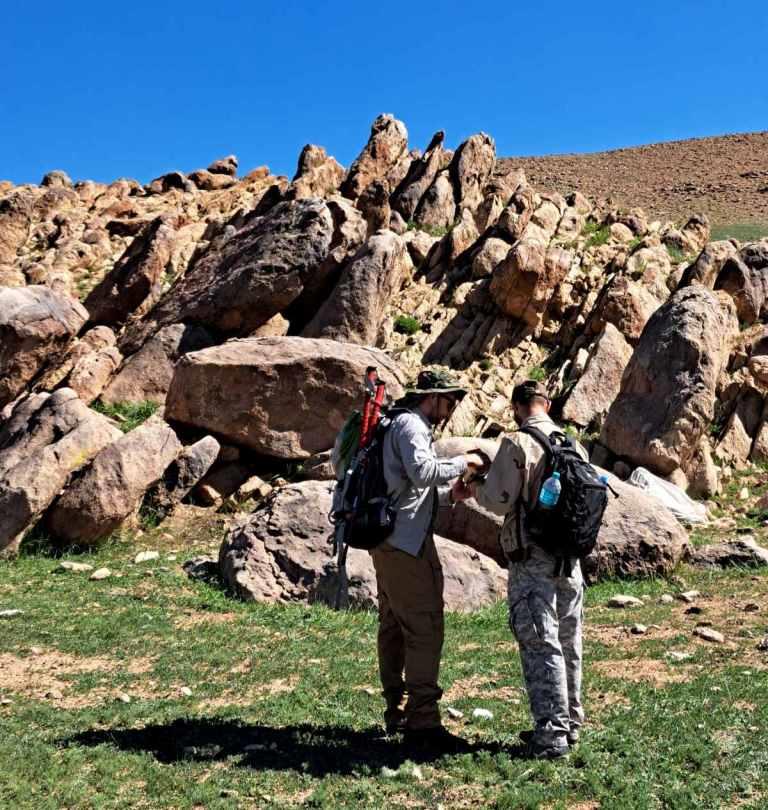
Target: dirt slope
[725, 177]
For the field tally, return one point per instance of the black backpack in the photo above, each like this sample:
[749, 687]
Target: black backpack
[363, 512]
[570, 528]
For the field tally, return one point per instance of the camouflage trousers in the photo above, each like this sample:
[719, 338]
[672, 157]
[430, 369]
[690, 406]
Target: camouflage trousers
[545, 615]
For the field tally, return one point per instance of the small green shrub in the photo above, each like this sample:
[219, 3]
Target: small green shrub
[407, 325]
[538, 373]
[486, 364]
[128, 415]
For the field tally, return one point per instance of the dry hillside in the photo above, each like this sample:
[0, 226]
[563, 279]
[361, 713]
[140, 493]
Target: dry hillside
[725, 177]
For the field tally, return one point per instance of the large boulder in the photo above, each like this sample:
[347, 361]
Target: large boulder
[638, 537]
[667, 394]
[358, 304]
[386, 148]
[437, 206]
[285, 397]
[46, 439]
[471, 169]
[179, 478]
[600, 382]
[257, 271]
[135, 282]
[36, 326]
[146, 375]
[112, 487]
[282, 553]
[523, 284]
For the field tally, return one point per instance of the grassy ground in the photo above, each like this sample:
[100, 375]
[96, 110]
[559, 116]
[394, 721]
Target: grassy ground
[284, 709]
[744, 232]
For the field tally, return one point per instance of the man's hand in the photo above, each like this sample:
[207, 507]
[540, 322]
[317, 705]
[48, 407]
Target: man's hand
[476, 462]
[461, 491]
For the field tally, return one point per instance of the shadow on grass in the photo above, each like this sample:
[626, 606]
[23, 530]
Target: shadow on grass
[315, 750]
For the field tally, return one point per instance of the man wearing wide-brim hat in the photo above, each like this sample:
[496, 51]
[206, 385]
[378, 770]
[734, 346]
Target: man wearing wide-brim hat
[408, 571]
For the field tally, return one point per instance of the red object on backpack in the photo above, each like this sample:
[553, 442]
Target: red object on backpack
[375, 392]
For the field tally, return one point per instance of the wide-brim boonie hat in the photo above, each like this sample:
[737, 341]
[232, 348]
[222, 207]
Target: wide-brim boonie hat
[435, 382]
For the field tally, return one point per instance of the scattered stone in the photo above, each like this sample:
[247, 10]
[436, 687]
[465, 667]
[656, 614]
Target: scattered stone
[388, 773]
[482, 714]
[708, 634]
[763, 645]
[35, 651]
[679, 656]
[67, 565]
[417, 773]
[5, 702]
[624, 601]
[743, 553]
[9, 614]
[122, 697]
[54, 694]
[744, 494]
[369, 691]
[751, 607]
[694, 610]
[204, 569]
[454, 714]
[100, 573]
[185, 691]
[639, 629]
[667, 599]
[146, 556]
[688, 596]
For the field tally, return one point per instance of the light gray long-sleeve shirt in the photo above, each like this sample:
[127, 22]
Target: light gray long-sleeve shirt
[413, 472]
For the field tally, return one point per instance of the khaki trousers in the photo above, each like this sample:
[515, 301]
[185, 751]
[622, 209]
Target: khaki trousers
[411, 631]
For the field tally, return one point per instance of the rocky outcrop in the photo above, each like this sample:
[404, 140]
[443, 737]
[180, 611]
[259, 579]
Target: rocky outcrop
[471, 170]
[282, 553]
[135, 282]
[386, 148]
[317, 175]
[45, 440]
[146, 375]
[667, 394]
[283, 397]
[112, 487]
[357, 306]
[256, 272]
[420, 177]
[36, 326]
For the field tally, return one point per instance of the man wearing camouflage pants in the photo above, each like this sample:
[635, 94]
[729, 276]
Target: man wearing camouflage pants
[545, 593]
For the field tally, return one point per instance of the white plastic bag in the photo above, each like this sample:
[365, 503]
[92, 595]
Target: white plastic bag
[682, 507]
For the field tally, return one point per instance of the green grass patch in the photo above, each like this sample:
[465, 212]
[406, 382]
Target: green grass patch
[743, 232]
[407, 325]
[433, 230]
[128, 415]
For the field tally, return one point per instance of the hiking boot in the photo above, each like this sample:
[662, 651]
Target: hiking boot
[572, 736]
[537, 751]
[394, 722]
[434, 739]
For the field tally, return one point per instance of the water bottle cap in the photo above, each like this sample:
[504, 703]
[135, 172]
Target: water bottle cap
[555, 474]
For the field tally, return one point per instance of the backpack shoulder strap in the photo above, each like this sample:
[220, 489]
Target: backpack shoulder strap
[541, 438]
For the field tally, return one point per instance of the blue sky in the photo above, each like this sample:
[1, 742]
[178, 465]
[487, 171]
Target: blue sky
[104, 90]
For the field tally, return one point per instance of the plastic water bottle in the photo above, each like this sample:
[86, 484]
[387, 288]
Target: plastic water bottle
[550, 491]
[604, 479]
